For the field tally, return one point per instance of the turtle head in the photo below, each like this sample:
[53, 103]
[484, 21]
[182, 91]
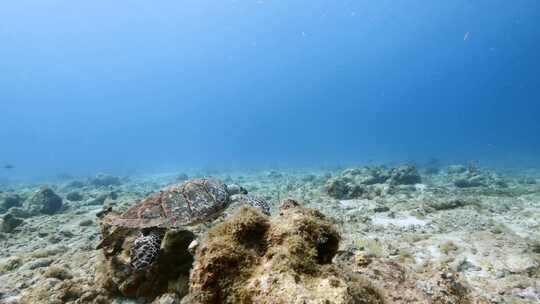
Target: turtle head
[146, 247]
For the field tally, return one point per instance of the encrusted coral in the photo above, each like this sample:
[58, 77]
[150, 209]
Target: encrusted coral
[251, 258]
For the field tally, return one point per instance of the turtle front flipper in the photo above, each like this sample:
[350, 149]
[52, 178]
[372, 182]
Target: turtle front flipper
[112, 243]
[146, 247]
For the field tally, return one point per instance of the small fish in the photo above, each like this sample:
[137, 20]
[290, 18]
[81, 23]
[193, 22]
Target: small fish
[8, 166]
[466, 37]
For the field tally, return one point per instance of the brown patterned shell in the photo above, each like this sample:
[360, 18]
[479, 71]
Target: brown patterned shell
[180, 205]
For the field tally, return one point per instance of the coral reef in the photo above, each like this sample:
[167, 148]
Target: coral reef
[251, 258]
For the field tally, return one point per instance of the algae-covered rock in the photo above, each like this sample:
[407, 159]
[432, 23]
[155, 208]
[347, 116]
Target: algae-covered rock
[19, 212]
[405, 175]
[68, 291]
[367, 175]
[9, 201]
[404, 285]
[454, 203]
[337, 188]
[9, 222]
[370, 182]
[57, 272]
[74, 196]
[44, 201]
[251, 258]
[474, 177]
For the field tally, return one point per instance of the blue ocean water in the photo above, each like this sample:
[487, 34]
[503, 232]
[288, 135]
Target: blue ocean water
[135, 86]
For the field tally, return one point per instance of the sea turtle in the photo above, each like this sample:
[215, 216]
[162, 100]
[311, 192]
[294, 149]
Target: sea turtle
[179, 206]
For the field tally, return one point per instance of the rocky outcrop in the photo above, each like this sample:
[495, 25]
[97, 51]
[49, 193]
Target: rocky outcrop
[251, 258]
[404, 175]
[472, 176]
[104, 180]
[74, 196]
[402, 285]
[8, 222]
[370, 182]
[8, 201]
[44, 201]
[58, 291]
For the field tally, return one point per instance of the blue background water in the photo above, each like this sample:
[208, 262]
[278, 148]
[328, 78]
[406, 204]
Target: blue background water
[125, 86]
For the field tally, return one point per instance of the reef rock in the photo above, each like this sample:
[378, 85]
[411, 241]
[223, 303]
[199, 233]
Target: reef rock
[251, 258]
[45, 201]
[474, 177]
[405, 175]
[9, 222]
[104, 180]
[74, 196]
[403, 285]
[72, 291]
[9, 201]
[370, 182]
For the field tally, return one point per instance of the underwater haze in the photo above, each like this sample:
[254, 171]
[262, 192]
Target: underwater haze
[143, 86]
[240, 151]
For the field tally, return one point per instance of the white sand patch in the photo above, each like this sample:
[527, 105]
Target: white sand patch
[400, 222]
[354, 204]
